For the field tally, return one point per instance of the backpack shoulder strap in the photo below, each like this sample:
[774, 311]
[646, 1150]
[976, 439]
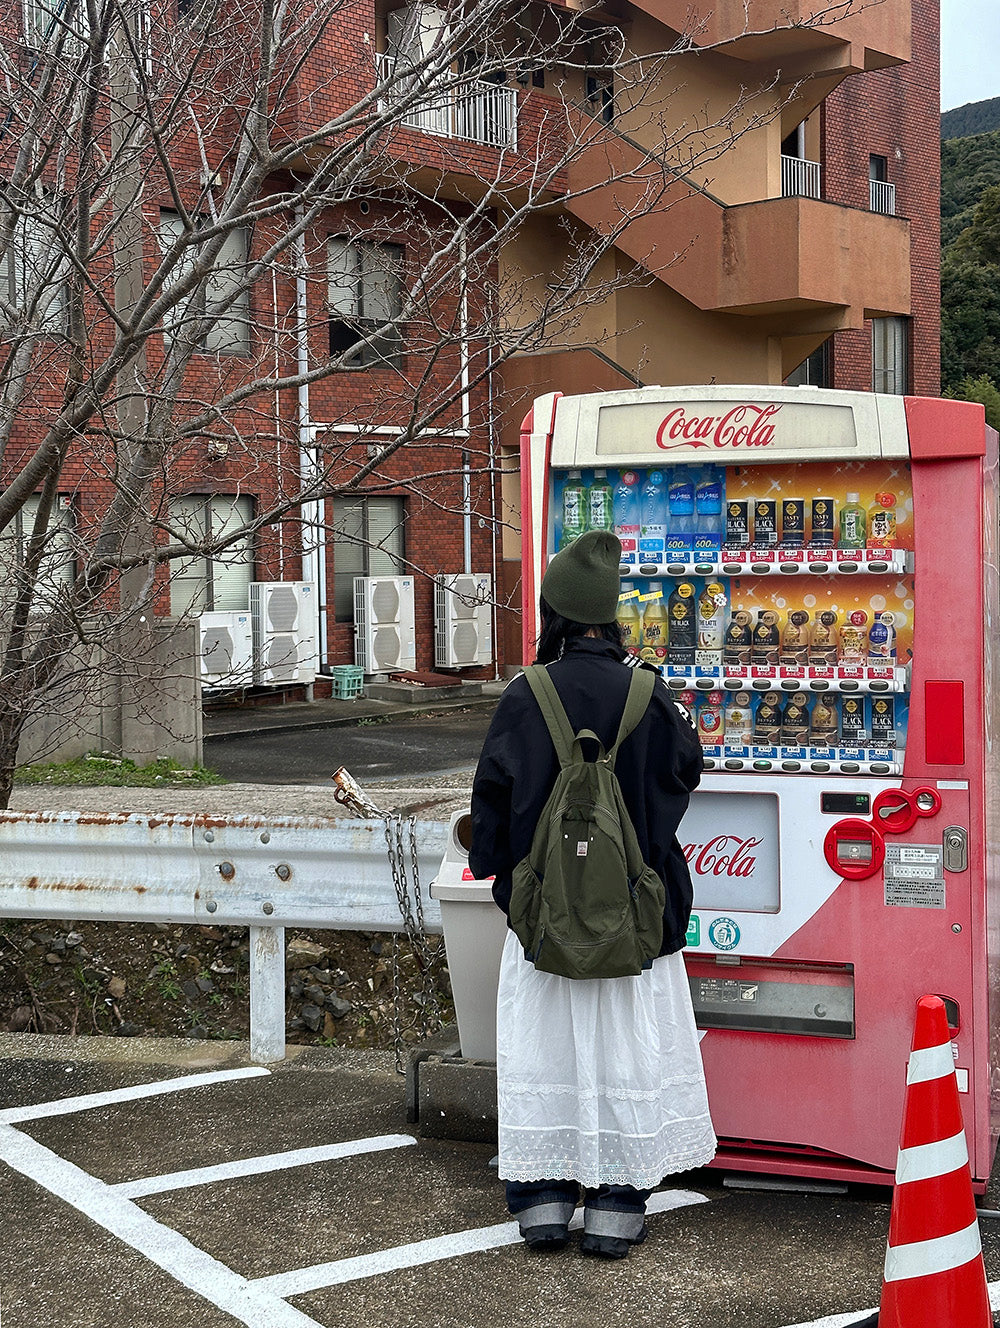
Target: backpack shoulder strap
[640, 692]
[553, 712]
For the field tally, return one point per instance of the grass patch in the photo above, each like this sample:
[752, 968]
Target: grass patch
[98, 768]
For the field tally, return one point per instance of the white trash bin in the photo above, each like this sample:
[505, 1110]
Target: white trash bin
[474, 934]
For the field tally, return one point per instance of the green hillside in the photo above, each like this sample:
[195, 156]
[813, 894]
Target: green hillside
[969, 166]
[975, 117]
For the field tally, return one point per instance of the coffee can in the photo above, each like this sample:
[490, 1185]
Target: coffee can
[823, 535]
[737, 523]
[765, 522]
[793, 522]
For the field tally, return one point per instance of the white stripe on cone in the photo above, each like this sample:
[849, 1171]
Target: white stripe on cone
[930, 1063]
[924, 1257]
[925, 1161]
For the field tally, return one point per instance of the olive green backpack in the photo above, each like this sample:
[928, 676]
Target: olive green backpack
[583, 902]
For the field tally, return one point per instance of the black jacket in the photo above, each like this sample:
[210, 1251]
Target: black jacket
[657, 767]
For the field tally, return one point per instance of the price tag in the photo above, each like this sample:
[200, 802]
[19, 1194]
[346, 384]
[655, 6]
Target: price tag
[791, 555]
[761, 671]
[735, 671]
[850, 671]
[820, 555]
[791, 671]
[880, 671]
[821, 671]
[850, 555]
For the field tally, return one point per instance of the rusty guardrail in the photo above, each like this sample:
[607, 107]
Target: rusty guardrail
[263, 873]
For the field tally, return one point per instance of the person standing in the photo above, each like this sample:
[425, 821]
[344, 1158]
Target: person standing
[600, 1081]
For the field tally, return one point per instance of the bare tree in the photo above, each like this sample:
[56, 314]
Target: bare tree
[214, 213]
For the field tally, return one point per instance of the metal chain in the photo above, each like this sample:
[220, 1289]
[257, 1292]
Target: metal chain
[427, 957]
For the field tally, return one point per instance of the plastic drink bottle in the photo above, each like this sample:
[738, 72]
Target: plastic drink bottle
[629, 619]
[654, 627]
[852, 523]
[625, 509]
[600, 514]
[738, 720]
[708, 505]
[795, 639]
[710, 720]
[795, 721]
[653, 506]
[681, 609]
[574, 508]
[882, 522]
[823, 638]
[680, 501]
[823, 728]
[853, 646]
[711, 624]
[882, 639]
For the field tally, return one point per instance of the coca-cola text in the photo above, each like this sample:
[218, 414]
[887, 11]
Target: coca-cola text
[725, 855]
[742, 426]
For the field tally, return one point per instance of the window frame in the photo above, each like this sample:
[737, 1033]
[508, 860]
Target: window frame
[347, 325]
[891, 378]
[237, 316]
[179, 576]
[363, 546]
[29, 236]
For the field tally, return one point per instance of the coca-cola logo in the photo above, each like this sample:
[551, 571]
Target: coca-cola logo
[725, 855]
[742, 426]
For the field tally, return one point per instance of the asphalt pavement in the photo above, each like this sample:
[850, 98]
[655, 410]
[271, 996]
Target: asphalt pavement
[168, 1184]
[161, 1184]
[382, 747]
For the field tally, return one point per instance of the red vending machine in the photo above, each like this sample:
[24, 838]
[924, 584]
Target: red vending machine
[815, 574]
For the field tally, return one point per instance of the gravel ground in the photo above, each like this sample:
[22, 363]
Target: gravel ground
[434, 799]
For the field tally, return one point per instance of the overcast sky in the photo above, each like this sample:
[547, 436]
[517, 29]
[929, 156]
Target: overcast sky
[970, 51]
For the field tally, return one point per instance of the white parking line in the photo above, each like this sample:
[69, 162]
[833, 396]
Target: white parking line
[858, 1316]
[335, 1273]
[249, 1303]
[65, 1105]
[255, 1166]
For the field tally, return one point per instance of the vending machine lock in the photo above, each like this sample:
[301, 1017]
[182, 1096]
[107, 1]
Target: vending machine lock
[956, 848]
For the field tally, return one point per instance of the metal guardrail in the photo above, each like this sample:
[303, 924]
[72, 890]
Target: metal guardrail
[799, 177]
[246, 872]
[479, 112]
[882, 197]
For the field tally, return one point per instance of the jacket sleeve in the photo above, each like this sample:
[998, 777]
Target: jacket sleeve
[687, 761]
[489, 854]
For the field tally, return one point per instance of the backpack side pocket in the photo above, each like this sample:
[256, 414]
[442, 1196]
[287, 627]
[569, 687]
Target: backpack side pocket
[525, 906]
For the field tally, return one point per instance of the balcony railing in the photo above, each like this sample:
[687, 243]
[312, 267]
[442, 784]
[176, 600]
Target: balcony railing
[799, 177]
[883, 197]
[477, 112]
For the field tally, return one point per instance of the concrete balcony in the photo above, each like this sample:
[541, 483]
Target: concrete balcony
[765, 31]
[803, 264]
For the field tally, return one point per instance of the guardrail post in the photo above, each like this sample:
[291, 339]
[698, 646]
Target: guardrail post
[267, 994]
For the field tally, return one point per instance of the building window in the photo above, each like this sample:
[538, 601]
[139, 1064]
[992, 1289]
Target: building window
[882, 194]
[814, 371]
[365, 294]
[46, 20]
[58, 565]
[367, 541]
[33, 270]
[224, 296]
[207, 584]
[601, 96]
[889, 355]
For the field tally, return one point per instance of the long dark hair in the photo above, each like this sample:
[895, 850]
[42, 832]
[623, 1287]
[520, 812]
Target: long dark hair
[557, 632]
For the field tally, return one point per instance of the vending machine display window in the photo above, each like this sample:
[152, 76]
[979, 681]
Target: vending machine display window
[777, 601]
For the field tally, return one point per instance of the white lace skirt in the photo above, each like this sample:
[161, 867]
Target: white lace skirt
[600, 1081]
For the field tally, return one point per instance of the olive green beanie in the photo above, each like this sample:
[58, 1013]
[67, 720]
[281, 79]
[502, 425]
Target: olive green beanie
[581, 582]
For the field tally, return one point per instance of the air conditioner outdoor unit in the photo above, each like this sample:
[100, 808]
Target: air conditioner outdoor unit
[226, 645]
[384, 637]
[284, 632]
[463, 620]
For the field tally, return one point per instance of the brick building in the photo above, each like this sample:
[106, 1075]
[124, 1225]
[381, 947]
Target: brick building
[762, 201]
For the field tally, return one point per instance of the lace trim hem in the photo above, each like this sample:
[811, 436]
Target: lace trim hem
[567, 1168]
[513, 1088]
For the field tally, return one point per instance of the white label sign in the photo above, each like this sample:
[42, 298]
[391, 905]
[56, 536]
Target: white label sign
[730, 841]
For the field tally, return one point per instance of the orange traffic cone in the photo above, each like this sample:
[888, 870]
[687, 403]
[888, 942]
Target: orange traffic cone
[934, 1273]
